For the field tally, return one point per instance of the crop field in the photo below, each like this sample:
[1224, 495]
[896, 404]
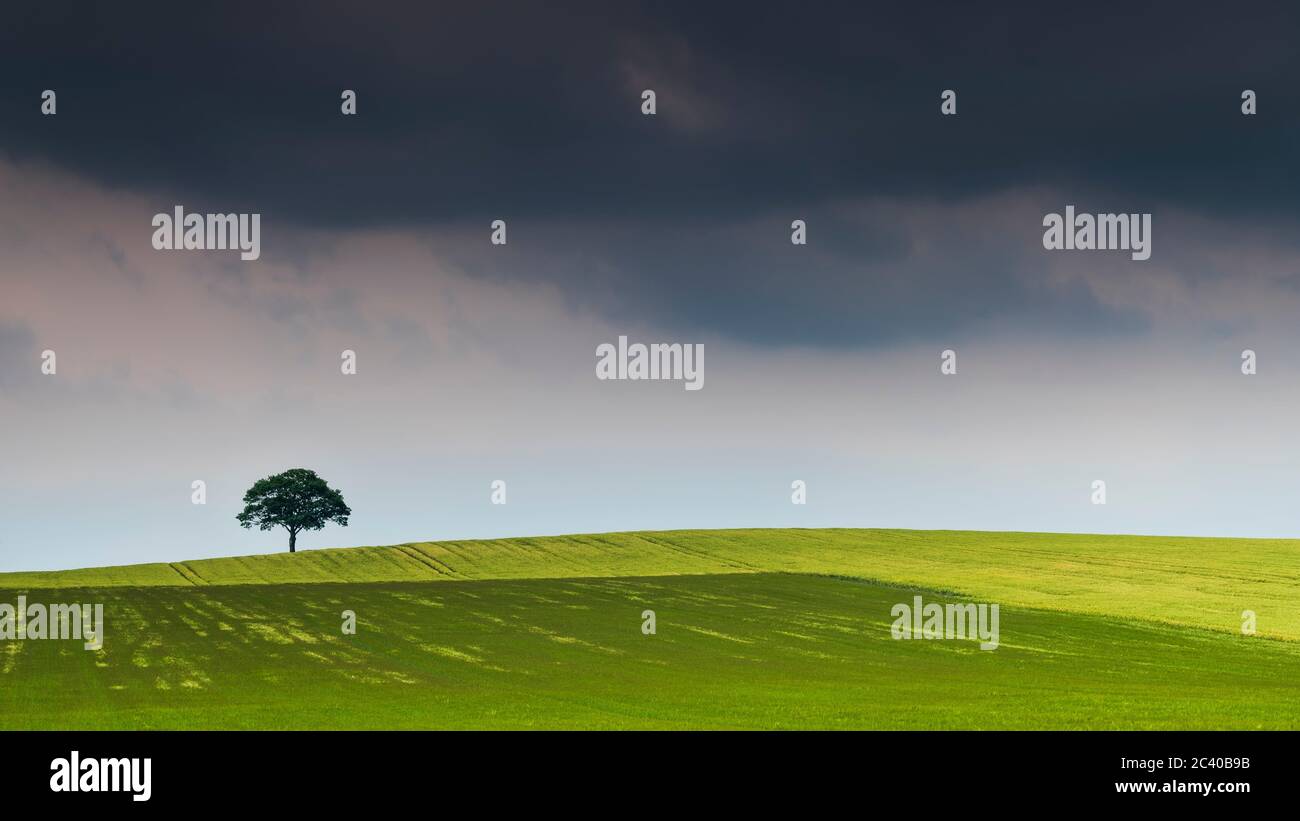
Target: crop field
[755, 629]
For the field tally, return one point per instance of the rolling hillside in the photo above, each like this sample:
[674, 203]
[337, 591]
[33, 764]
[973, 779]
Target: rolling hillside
[1192, 581]
[755, 629]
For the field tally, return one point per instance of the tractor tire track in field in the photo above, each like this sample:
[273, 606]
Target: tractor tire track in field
[428, 561]
[185, 573]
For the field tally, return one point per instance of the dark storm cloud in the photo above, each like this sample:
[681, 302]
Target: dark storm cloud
[530, 112]
[469, 109]
[868, 276]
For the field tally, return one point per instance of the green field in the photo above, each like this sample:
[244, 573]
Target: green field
[755, 629]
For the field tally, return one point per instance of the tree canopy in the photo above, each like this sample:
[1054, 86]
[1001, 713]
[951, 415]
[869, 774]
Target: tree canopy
[296, 500]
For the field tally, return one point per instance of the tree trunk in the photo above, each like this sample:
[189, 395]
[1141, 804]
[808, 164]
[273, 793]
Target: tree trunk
[293, 539]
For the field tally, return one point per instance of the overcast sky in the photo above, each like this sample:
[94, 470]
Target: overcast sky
[477, 362]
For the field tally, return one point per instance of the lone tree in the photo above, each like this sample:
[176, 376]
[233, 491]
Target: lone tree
[295, 500]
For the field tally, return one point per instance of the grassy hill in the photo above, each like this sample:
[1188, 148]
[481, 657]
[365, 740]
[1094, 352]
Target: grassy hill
[1192, 581]
[756, 629]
